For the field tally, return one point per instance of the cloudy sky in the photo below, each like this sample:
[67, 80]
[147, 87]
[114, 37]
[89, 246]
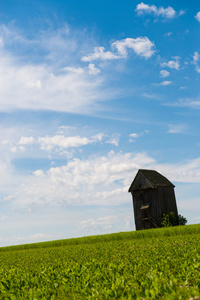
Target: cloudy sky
[91, 91]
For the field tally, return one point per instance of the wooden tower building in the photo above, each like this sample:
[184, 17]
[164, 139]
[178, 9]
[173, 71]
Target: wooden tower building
[153, 195]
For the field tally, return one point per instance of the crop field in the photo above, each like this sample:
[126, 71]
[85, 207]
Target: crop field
[151, 264]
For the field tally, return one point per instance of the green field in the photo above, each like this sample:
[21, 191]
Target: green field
[150, 264]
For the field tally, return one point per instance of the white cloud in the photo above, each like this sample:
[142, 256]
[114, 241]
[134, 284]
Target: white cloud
[172, 64]
[164, 73]
[65, 129]
[93, 70]
[98, 137]
[190, 103]
[107, 194]
[114, 139]
[188, 171]
[60, 142]
[40, 236]
[168, 13]
[195, 61]
[102, 180]
[152, 96]
[99, 53]
[168, 33]
[69, 92]
[6, 172]
[38, 173]
[26, 140]
[82, 182]
[99, 223]
[197, 17]
[142, 46]
[13, 142]
[181, 12]
[55, 80]
[133, 135]
[48, 143]
[165, 83]
[46, 84]
[17, 239]
[128, 222]
[186, 102]
[74, 70]
[2, 218]
[195, 57]
[198, 69]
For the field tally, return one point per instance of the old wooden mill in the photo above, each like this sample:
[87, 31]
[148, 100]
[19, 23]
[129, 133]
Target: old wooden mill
[153, 195]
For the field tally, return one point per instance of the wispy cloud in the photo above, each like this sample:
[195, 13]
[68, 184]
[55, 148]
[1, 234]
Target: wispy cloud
[106, 223]
[176, 128]
[53, 80]
[190, 103]
[186, 102]
[100, 54]
[152, 96]
[38, 237]
[165, 83]
[168, 33]
[99, 223]
[133, 136]
[114, 139]
[181, 12]
[39, 87]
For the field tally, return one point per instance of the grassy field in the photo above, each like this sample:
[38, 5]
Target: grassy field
[150, 264]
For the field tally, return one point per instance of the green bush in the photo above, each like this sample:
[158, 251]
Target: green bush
[169, 220]
[181, 220]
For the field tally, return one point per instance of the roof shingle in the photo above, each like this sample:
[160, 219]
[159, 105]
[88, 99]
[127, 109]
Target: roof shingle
[156, 178]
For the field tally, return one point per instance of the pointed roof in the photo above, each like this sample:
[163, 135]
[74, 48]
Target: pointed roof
[145, 179]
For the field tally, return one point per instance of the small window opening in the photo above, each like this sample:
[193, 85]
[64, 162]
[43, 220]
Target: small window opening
[145, 211]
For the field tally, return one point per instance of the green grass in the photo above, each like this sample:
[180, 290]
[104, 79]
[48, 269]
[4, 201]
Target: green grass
[150, 264]
[158, 232]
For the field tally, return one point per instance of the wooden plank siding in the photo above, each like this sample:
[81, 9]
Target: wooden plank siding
[153, 195]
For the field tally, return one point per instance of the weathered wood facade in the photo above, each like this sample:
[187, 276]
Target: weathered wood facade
[153, 195]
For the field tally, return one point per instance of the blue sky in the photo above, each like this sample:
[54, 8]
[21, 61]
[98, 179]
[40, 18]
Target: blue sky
[89, 93]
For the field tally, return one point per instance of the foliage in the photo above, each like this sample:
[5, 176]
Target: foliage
[150, 264]
[181, 220]
[169, 220]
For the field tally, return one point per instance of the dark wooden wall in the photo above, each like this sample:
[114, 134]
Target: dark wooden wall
[161, 201]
